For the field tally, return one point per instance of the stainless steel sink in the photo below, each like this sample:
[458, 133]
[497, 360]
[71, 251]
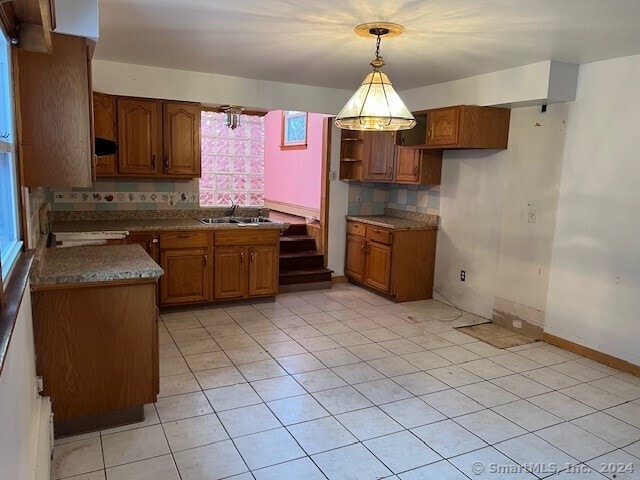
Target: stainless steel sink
[254, 220]
[210, 221]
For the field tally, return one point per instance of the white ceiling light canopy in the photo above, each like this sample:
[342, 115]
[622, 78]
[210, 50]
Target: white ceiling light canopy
[376, 105]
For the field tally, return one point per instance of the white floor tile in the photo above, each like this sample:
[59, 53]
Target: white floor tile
[277, 388]
[454, 376]
[628, 412]
[358, 373]
[486, 369]
[442, 470]
[561, 406]
[321, 435]
[219, 377]
[349, 463]
[420, 383]
[488, 394]
[452, 403]
[301, 469]
[382, 391]
[489, 426]
[248, 420]
[268, 448]
[159, 468]
[178, 384]
[393, 366]
[211, 462]
[194, 432]
[527, 415]
[319, 380]
[521, 386]
[402, 451]
[77, 457]
[609, 428]
[539, 457]
[369, 423]
[448, 438]
[412, 412]
[481, 465]
[617, 465]
[297, 409]
[576, 442]
[261, 370]
[234, 396]
[134, 445]
[341, 400]
[183, 406]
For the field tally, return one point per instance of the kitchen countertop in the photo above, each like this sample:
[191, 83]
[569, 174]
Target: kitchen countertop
[139, 225]
[395, 223]
[94, 264]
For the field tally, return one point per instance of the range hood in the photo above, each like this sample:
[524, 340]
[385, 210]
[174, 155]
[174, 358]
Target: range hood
[104, 147]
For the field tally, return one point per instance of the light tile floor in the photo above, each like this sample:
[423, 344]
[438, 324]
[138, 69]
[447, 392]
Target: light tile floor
[343, 384]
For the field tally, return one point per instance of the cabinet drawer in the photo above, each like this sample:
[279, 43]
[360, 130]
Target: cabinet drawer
[243, 238]
[380, 235]
[184, 240]
[356, 229]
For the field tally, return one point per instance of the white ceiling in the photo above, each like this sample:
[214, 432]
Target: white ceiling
[311, 42]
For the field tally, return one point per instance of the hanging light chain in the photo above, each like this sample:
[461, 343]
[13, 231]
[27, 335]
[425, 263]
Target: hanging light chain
[378, 47]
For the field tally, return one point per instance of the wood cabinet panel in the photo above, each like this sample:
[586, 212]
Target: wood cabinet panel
[181, 135]
[96, 346]
[54, 115]
[230, 273]
[263, 270]
[396, 262]
[379, 156]
[418, 167]
[184, 239]
[147, 240]
[468, 126]
[442, 126]
[355, 258]
[104, 126]
[378, 266]
[187, 276]
[247, 237]
[139, 135]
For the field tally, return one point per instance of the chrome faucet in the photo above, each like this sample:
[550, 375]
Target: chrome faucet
[259, 213]
[232, 210]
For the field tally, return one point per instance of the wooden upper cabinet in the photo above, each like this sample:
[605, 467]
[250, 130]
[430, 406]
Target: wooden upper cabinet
[418, 167]
[379, 156]
[104, 126]
[181, 139]
[54, 112]
[139, 135]
[468, 126]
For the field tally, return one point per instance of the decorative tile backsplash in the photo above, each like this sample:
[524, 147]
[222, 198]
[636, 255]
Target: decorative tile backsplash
[373, 198]
[127, 195]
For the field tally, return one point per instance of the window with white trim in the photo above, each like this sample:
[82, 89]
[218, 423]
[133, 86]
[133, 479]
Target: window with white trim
[10, 243]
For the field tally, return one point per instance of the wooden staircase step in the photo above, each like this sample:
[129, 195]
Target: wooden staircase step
[311, 275]
[295, 229]
[301, 260]
[297, 243]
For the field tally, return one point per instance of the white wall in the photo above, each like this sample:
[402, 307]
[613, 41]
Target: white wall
[338, 193]
[19, 402]
[595, 272]
[484, 203]
[153, 82]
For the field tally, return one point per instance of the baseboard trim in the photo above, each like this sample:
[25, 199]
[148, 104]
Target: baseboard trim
[339, 279]
[599, 357]
[291, 209]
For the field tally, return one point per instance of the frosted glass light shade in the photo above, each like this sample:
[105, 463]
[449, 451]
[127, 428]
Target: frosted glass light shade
[375, 106]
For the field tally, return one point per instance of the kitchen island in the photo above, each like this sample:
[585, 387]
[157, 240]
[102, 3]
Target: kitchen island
[96, 334]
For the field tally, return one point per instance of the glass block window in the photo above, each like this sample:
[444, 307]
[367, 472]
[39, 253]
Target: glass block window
[232, 161]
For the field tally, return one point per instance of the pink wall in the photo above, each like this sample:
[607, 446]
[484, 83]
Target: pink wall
[293, 176]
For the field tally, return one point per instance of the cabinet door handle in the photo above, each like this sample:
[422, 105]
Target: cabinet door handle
[241, 257]
[166, 163]
[415, 170]
[184, 235]
[376, 230]
[253, 256]
[155, 240]
[153, 161]
[206, 259]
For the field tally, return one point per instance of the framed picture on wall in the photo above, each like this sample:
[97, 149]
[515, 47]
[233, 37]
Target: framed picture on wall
[294, 129]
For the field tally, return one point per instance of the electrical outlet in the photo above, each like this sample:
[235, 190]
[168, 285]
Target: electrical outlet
[532, 216]
[333, 176]
[359, 199]
[463, 275]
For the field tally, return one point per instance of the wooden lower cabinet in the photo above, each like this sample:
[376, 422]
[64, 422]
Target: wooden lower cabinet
[97, 346]
[186, 259]
[230, 273]
[399, 263]
[147, 240]
[246, 264]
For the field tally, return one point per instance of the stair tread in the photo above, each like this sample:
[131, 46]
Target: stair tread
[295, 238]
[284, 273]
[305, 254]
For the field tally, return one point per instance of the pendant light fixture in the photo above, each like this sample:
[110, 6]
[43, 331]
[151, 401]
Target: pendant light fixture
[232, 115]
[376, 105]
